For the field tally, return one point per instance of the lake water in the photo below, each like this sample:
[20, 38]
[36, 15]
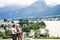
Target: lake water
[53, 27]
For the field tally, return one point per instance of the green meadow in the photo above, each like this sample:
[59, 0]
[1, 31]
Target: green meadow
[34, 39]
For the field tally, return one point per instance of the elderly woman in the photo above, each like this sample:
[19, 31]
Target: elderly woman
[19, 29]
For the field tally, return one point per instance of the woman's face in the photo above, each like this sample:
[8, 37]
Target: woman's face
[17, 26]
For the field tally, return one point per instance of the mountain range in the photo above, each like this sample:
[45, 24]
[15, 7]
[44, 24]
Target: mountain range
[37, 9]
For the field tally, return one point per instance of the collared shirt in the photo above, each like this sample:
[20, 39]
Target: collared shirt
[13, 30]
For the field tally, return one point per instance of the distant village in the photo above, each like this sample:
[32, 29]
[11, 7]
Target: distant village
[10, 21]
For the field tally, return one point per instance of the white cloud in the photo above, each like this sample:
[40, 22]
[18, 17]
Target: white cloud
[18, 2]
[31, 16]
[26, 2]
[52, 2]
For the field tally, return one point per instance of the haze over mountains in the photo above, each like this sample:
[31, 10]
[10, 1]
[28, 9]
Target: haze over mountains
[37, 9]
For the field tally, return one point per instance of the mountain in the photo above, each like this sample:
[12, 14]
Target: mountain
[9, 11]
[37, 9]
[33, 10]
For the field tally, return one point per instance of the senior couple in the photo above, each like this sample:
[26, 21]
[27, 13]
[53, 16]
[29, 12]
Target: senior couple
[16, 32]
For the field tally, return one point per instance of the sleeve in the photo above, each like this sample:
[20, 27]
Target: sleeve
[20, 30]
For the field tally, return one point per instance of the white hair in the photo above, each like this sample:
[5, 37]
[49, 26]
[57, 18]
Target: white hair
[18, 24]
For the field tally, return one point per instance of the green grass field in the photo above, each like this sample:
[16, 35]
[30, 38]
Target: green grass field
[34, 39]
[47, 39]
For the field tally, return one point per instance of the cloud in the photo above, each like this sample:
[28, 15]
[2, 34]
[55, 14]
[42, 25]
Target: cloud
[4, 3]
[52, 2]
[31, 16]
[17, 2]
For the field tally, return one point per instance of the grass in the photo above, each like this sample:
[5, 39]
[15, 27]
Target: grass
[34, 39]
[47, 39]
[1, 29]
[4, 39]
[30, 39]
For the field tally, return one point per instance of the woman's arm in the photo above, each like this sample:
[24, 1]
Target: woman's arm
[15, 32]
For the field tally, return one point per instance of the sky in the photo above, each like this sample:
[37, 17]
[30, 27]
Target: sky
[52, 2]
[16, 2]
[4, 3]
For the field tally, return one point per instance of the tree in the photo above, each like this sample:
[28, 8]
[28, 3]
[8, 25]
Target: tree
[22, 21]
[31, 26]
[42, 24]
[34, 26]
[25, 29]
[47, 33]
[12, 22]
[37, 33]
[5, 20]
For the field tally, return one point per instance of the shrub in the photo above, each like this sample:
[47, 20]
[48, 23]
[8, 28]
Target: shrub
[25, 29]
[1, 34]
[6, 37]
[8, 32]
[37, 33]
